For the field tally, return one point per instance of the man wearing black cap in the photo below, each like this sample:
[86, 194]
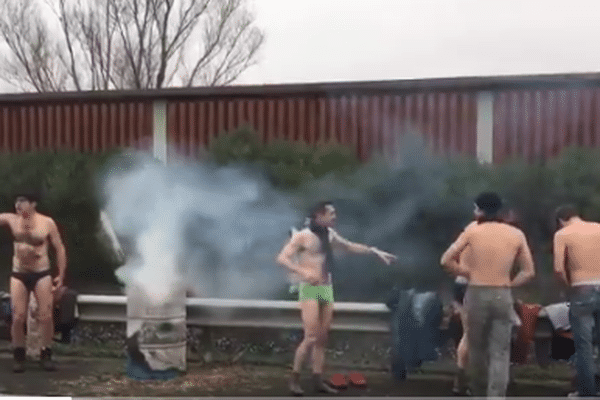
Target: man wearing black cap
[494, 247]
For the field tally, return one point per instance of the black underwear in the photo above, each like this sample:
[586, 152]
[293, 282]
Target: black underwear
[30, 279]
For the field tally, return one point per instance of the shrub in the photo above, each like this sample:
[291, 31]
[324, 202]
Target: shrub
[288, 165]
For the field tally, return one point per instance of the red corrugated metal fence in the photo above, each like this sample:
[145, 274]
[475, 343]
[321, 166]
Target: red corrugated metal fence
[538, 124]
[533, 117]
[87, 126]
[366, 123]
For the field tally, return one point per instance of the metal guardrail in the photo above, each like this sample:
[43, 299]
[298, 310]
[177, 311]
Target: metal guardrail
[362, 317]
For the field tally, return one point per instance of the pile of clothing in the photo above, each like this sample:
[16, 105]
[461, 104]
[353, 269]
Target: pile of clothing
[415, 327]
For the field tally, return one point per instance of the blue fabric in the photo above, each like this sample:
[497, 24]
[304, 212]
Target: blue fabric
[415, 329]
[141, 372]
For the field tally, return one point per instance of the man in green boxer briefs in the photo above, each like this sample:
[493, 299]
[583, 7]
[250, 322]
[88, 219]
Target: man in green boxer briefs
[323, 293]
[309, 255]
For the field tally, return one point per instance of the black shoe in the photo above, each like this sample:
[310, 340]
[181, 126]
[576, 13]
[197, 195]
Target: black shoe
[295, 385]
[321, 386]
[46, 360]
[18, 359]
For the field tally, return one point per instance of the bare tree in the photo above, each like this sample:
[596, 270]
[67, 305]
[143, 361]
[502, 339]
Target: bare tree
[119, 44]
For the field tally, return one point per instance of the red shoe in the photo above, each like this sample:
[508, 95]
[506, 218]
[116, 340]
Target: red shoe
[357, 380]
[338, 381]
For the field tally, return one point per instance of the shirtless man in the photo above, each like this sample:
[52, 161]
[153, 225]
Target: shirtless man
[576, 255]
[31, 272]
[308, 254]
[494, 247]
[460, 285]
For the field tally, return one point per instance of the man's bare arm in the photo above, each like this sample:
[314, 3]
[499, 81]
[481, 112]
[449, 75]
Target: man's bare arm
[525, 258]
[559, 258]
[450, 258]
[360, 248]
[5, 218]
[61, 253]
[349, 246]
[291, 249]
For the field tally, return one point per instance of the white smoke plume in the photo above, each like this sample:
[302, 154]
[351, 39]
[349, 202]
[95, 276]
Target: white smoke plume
[215, 230]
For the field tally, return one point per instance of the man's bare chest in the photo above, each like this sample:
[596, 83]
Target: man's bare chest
[29, 232]
[312, 248]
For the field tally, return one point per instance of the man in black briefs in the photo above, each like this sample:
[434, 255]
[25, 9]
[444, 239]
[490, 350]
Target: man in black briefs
[31, 272]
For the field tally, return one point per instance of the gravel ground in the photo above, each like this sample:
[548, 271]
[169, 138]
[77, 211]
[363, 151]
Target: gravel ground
[230, 363]
[105, 377]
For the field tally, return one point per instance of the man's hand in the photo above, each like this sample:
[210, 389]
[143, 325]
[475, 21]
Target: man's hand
[387, 258]
[57, 283]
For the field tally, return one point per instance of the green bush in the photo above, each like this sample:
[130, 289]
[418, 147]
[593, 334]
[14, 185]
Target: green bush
[287, 164]
[373, 191]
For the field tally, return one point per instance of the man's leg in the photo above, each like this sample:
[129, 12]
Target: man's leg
[44, 297]
[478, 319]
[462, 354]
[318, 352]
[582, 321]
[19, 299]
[309, 311]
[596, 342]
[499, 364]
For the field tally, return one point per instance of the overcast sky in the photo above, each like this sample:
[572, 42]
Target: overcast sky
[337, 40]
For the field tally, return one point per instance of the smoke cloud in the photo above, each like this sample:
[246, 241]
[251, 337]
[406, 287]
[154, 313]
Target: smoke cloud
[220, 229]
[215, 230]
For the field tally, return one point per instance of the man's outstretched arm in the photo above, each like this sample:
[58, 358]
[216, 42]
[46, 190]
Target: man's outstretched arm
[360, 248]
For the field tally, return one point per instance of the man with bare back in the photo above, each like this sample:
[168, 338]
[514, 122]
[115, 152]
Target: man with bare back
[576, 256]
[31, 273]
[460, 386]
[308, 254]
[493, 248]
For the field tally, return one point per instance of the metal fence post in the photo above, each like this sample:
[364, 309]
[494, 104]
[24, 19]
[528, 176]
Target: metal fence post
[159, 139]
[485, 127]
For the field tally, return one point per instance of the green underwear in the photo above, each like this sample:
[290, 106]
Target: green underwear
[322, 293]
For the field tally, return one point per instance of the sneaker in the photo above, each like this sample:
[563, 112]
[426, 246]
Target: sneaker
[18, 359]
[46, 360]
